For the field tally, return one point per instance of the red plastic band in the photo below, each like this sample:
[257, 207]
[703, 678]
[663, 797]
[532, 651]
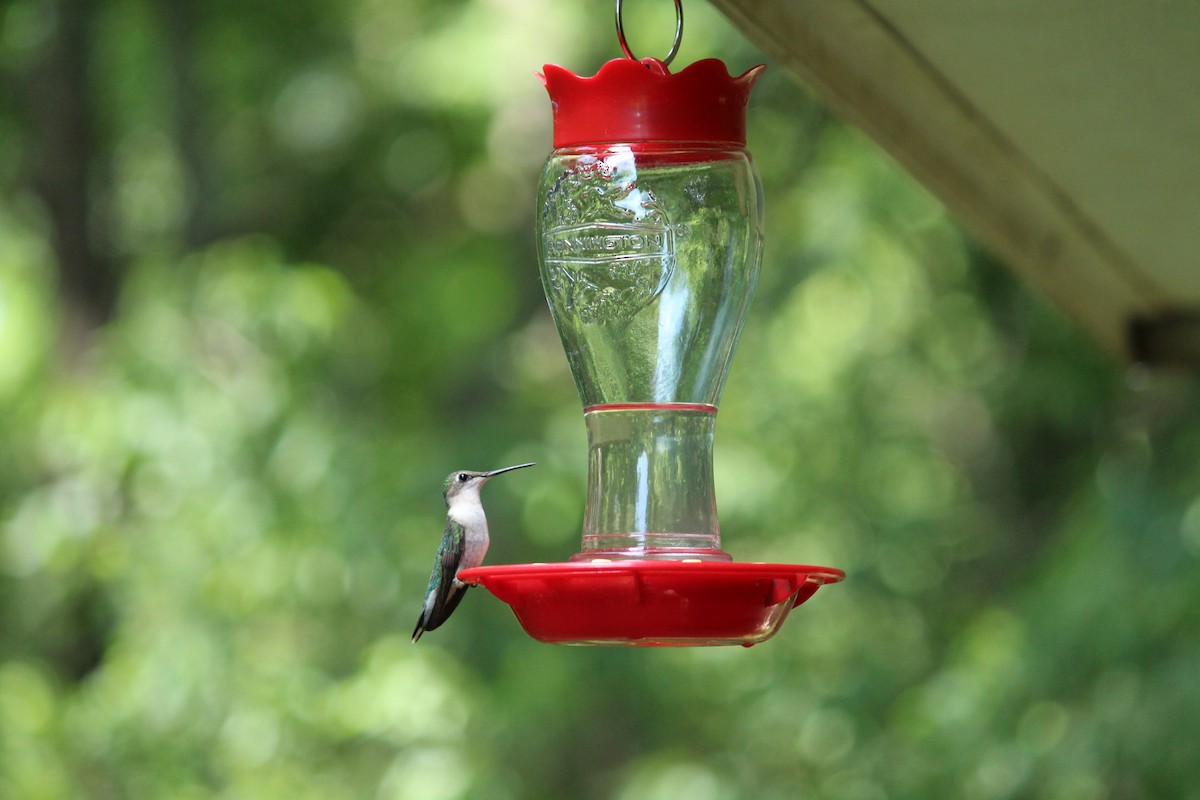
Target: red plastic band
[704, 408]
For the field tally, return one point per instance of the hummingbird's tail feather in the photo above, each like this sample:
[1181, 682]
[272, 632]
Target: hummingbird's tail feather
[425, 622]
[457, 591]
[433, 616]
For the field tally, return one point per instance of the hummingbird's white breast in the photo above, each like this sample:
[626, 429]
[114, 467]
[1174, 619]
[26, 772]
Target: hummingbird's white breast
[467, 510]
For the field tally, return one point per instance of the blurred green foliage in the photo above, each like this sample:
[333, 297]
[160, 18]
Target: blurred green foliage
[219, 496]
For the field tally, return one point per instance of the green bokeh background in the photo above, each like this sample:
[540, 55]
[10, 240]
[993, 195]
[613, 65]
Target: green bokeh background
[312, 222]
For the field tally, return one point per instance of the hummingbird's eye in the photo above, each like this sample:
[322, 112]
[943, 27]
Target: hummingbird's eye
[462, 476]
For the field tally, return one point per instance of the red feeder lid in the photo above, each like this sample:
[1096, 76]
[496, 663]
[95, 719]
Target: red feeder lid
[642, 101]
[652, 602]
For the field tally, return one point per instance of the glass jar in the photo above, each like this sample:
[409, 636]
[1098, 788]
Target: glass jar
[649, 256]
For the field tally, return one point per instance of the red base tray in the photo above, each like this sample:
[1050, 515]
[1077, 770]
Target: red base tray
[652, 602]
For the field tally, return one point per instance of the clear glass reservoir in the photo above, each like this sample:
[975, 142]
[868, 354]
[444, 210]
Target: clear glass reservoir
[649, 256]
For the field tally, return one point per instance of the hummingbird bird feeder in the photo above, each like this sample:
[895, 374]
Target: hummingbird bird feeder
[649, 241]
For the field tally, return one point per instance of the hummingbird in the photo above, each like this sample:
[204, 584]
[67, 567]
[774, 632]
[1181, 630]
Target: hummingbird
[463, 546]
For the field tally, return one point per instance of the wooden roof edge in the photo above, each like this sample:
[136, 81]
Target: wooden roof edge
[846, 52]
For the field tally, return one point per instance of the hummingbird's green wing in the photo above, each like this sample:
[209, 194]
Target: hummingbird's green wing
[450, 556]
[443, 593]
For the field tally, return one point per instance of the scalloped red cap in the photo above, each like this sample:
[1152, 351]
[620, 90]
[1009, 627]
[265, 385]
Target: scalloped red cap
[642, 101]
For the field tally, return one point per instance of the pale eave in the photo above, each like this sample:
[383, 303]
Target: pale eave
[1066, 135]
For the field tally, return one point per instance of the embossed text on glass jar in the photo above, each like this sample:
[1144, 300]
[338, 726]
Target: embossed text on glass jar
[649, 259]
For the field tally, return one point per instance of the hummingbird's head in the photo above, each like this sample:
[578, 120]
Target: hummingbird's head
[458, 483]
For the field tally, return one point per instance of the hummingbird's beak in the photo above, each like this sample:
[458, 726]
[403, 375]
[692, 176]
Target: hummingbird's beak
[508, 469]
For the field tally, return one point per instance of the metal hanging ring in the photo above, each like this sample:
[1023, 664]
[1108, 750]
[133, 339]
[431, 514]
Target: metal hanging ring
[674, 45]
